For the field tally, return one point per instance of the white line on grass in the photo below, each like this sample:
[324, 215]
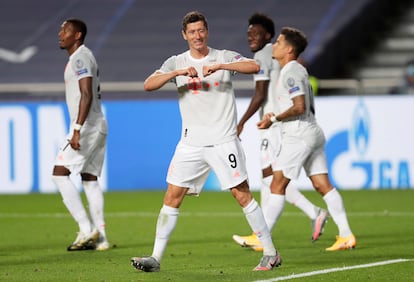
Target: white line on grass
[336, 269]
[199, 214]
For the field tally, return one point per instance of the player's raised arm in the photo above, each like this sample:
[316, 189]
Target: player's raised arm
[158, 79]
[246, 66]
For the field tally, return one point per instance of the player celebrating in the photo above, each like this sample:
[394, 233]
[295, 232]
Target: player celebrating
[85, 147]
[303, 141]
[259, 34]
[209, 136]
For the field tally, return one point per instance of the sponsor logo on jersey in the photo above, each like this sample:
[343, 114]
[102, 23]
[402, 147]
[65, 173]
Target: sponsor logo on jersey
[294, 89]
[82, 71]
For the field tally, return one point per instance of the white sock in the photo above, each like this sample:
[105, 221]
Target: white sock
[257, 223]
[265, 192]
[73, 202]
[167, 220]
[95, 197]
[296, 198]
[337, 211]
[274, 209]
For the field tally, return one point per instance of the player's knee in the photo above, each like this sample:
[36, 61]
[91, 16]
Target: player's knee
[242, 194]
[323, 188]
[88, 177]
[59, 170]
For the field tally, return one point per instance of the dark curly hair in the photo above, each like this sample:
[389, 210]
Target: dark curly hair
[265, 21]
[79, 26]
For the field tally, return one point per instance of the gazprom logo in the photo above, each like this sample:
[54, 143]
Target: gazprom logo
[355, 161]
[360, 129]
[348, 148]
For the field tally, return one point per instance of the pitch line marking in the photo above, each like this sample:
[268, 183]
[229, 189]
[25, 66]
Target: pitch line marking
[186, 214]
[336, 269]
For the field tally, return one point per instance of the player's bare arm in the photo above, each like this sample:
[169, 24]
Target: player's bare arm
[266, 121]
[247, 66]
[85, 102]
[256, 102]
[297, 109]
[159, 79]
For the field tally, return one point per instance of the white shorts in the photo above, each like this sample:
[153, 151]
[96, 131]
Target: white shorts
[269, 145]
[90, 157]
[305, 147]
[190, 165]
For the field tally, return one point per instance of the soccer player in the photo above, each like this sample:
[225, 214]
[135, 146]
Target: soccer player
[260, 32]
[203, 76]
[303, 141]
[86, 141]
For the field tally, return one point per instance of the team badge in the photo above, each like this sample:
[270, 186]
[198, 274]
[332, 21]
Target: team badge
[81, 69]
[290, 81]
[79, 63]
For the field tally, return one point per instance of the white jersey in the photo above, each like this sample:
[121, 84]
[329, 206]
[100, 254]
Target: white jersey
[82, 64]
[90, 157]
[303, 141]
[207, 104]
[294, 81]
[269, 70]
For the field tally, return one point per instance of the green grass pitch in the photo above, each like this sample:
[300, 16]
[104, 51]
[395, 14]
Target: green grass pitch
[35, 230]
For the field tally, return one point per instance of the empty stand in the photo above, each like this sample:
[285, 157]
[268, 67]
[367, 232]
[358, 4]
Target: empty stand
[131, 38]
